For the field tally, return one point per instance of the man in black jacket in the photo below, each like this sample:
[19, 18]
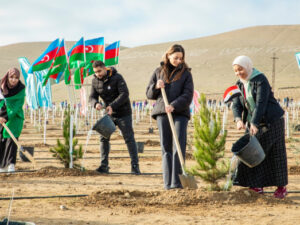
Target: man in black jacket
[111, 87]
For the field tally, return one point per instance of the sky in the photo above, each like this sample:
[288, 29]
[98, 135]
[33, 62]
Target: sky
[137, 22]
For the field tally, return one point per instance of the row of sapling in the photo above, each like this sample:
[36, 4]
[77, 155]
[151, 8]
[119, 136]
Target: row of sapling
[209, 142]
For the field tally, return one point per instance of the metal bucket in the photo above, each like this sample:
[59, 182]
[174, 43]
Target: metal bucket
[105, 126]
[249, 150]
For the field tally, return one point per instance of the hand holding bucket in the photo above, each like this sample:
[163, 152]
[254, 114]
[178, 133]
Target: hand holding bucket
[249, 150]
[105, 126]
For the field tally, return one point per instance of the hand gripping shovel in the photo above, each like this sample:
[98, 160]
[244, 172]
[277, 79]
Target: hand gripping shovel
[20, 148]
[187, 181]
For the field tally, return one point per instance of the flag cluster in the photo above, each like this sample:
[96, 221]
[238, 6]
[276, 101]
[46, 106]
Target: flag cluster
[57, 61]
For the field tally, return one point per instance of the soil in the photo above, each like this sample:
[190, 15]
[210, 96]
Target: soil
[123, 198]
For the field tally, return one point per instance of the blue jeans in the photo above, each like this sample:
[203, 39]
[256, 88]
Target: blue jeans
[170, 160]
[125, 125]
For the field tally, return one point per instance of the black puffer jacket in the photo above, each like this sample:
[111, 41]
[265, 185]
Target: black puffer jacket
[267, 109]
[179, 93]
[113, 91]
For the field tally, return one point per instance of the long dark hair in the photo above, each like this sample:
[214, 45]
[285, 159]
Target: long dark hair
[167, 74]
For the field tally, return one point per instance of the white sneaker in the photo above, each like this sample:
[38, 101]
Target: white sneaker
[11, 168]
[2, 170]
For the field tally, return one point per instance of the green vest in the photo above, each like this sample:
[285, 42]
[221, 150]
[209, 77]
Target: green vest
[15, 113]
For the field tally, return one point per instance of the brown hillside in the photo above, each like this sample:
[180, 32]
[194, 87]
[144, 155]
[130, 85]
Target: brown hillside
[209, 57]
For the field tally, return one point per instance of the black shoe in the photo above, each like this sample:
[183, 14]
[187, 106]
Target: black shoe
[135, 169]
[103, 169]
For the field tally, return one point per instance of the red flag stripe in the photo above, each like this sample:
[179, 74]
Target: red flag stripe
[231, 92]
[94, 49]
[111, 53]
[49, 56]
[77, 49]
[61, 52]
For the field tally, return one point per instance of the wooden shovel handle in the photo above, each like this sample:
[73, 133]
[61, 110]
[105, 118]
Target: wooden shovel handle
[17, 143]
[174, 133]
[11, 135]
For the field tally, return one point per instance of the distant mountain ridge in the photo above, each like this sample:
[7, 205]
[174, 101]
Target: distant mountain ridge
[209, 57]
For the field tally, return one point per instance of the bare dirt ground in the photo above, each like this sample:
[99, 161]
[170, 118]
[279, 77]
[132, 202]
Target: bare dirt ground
[122, 198]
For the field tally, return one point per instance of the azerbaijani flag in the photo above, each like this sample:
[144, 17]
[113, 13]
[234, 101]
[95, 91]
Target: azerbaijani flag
[67, 76]
[45, 60]
[89, 68]
[112, 54]
[58, 75]
[94, 49]
[58, 65]
[79, 76]
[76, 53]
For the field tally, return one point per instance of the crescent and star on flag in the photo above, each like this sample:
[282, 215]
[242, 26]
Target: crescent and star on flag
[89, 49]
[45, 58]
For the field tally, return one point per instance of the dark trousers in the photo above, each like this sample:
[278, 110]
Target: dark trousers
[170, 160]
[125, 125]
[8, 150]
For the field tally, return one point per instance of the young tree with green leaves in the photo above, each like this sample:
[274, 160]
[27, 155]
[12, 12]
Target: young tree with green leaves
[61, 151]
[210, 146]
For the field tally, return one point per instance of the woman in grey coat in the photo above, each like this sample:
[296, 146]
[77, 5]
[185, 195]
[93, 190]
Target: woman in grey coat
[173, 75]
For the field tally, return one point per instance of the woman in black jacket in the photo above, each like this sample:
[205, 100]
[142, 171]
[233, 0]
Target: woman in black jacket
[258, 111]
[174, 75]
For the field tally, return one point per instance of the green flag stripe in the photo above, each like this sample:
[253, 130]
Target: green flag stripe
[112, 61]
[94, 56]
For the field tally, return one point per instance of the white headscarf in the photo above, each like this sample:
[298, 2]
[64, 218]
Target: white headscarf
[245, 62]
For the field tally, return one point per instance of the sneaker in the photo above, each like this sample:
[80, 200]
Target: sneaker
[280, 192]
[135, 169]
[103, 169]
[11, 168]
[258, 190]
[2, 170]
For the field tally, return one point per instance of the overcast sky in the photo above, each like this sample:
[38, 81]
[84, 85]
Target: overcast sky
[137, 22]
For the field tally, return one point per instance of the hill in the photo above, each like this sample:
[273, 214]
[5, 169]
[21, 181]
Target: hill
[209, 57]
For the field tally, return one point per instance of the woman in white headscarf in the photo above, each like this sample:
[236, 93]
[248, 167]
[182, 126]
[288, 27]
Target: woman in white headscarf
[257, 111]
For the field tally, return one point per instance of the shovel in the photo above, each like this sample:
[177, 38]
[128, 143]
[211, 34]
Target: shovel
[20, 148]
[187, 181]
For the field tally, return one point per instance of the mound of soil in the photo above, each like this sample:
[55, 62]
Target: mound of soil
[175, 198]
[152, 143]
[51, 171]
[294, 170]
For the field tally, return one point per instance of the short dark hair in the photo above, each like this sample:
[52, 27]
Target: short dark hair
[98, 63]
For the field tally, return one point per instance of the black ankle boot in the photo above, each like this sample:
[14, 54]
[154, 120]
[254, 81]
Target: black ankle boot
[103, 169]
[135, 169]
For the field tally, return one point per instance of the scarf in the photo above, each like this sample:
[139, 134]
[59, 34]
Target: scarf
[14, 107]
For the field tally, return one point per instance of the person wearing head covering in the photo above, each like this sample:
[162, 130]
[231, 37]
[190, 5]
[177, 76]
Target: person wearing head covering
[12, 97]
[175, 76]
[257, 111]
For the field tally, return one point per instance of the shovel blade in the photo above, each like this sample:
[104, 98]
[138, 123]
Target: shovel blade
[28, 155]
[188, 181]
